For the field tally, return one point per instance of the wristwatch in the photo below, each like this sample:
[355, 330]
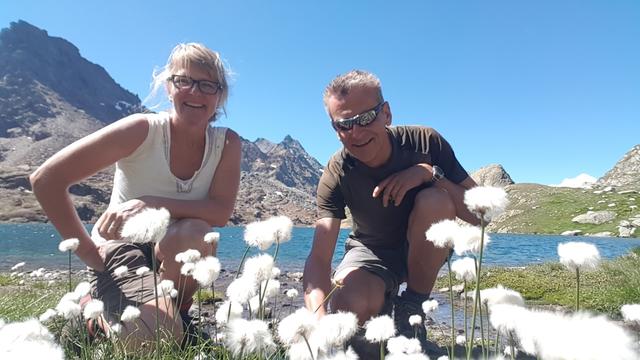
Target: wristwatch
[436, 174]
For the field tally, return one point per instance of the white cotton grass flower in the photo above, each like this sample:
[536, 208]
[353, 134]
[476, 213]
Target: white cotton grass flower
[275, 272]
[69, 245]
[187, 268]
[68, 309]
[28, 339]
[334, 330]
[410, 357]
[580, 255]
[631, 312]
[544, 334]
[173, 294]
[212, 237]
[508, 349]
[93, 309]
[349, 354]
[297, 326]
[206, 271]
[241, 290]
[258, 268]
[498, 295]
[17, 266]
[262, 234]
[468, 240]
[300, 351]
[291, 293]
[461, 340]
[379, 329]
[429, 306]
[223, 314]
[142, 270]
[403, 345]
[415, 320]
[120, 271]
[130, 314]
[37, 273]
[443, 233]
[464, 269]
[272, 288]
[149, 225]
[165, 287]
[249, 336]
[47, 315]
[188, 256]
[254, 305]
[82, 289]
[115, 329]
[486, 202]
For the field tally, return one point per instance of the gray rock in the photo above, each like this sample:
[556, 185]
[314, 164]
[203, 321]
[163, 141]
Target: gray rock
[571, 232]
[602, 234]
[625, 173]
[595, 217]
[492, 175]
[626, 231]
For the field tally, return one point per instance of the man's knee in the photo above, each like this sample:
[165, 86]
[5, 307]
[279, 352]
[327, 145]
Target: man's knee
[434, 203]
[362, 294]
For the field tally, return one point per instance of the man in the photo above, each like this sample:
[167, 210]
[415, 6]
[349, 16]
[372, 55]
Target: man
[397, 182]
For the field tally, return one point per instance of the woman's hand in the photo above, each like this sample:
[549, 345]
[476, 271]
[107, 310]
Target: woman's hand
[110, 223]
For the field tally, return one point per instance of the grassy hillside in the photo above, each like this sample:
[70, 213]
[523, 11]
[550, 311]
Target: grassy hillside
[539, 209]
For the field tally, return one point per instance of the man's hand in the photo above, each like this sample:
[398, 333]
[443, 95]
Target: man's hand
[395, 187]
[112, 220]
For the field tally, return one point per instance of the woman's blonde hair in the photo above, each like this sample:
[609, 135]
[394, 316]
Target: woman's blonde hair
[185, 55]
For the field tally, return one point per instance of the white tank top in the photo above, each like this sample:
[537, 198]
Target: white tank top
[147, 171]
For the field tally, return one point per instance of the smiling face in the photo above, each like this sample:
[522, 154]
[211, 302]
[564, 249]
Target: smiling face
[370, 144]
[191, 105]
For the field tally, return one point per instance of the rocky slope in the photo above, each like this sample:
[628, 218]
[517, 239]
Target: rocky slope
[51, 96]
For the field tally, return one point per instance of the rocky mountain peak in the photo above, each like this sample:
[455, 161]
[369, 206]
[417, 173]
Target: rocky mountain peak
[30, 59]
[492, 175]
[626, 172]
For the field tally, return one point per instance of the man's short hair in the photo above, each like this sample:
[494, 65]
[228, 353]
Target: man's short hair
[341, 85]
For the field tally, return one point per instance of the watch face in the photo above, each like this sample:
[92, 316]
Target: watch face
[437, 173]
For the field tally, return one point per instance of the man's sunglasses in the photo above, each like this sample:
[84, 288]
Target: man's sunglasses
[362, 119]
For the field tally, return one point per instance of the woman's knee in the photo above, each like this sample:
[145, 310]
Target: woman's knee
[187, 234]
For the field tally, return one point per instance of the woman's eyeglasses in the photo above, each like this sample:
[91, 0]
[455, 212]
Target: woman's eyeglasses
[183, 82]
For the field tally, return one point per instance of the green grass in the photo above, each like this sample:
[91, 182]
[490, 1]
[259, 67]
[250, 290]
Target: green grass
[605, 290]
[538, 209]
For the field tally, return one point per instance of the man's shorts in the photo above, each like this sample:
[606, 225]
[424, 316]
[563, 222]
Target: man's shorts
[390, 264]
[129, 289]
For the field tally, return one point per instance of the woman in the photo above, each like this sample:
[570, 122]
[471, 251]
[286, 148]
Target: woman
[171, 160]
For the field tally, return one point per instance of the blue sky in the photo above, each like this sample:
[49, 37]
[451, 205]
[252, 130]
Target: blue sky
[549, 89]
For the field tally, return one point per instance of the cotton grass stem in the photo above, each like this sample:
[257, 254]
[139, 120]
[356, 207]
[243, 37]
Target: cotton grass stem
[69, 270]
[336, 285]
[453, 328]
[577, 289]
[244, 256]
[477, 297]
[155, 293]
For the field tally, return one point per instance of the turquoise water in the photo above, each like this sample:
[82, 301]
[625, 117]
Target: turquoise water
[37, 245]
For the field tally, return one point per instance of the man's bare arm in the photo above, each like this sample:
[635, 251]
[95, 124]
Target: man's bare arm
[317, 270]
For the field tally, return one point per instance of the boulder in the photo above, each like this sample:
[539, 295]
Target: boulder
[571, 233]
[492, 175]
[595, 217]
[602, 234]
